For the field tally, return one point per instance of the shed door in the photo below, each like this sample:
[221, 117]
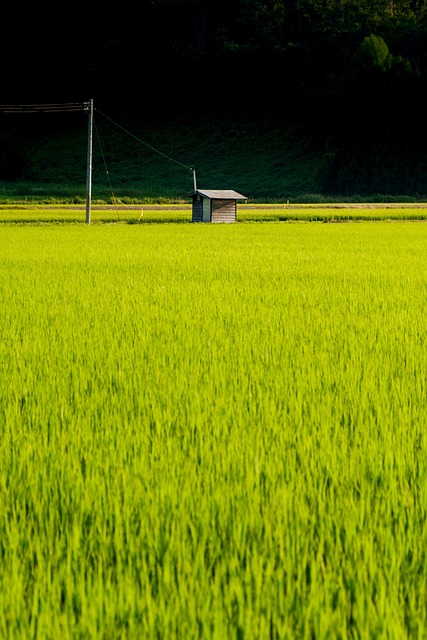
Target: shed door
[206, 210]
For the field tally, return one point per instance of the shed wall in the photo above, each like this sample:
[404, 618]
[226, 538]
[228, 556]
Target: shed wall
[223, 210]
[197, 211]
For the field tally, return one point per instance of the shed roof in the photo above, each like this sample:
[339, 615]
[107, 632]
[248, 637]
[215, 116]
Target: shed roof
[218, 194]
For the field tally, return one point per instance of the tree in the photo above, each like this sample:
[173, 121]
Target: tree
[373, 54]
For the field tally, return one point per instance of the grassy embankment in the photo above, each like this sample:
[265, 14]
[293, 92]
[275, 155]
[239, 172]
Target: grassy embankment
[259, 156]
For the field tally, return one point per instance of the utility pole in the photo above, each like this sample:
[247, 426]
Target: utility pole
[89, 162]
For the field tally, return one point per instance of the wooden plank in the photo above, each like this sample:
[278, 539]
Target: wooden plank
[223, 210]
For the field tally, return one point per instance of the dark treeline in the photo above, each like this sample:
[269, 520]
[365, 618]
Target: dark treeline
[349, 75]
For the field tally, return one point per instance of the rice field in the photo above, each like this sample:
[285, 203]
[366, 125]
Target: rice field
[139, 214]
[213, 431]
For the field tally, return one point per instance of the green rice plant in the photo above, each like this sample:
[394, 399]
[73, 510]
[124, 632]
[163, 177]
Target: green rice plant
[129, 212]
[100, 214]
[213, 431]
[330, 213]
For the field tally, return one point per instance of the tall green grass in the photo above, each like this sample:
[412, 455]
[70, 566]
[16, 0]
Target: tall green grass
[213, 431]
[132, 213]
[100, 214]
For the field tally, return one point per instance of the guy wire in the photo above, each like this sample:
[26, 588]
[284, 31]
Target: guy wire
[106, 170]
[145, 143]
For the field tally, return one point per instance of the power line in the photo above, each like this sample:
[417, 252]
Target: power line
[88, 107]
[145, 143]
[45, 108]
[61, 108]
[81, 106]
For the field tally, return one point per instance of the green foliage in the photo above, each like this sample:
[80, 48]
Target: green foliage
[213, 431]
[342, 117]
[373, 53]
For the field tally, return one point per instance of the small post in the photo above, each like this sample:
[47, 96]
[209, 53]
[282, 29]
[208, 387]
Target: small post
[194, 180]
[89, 162]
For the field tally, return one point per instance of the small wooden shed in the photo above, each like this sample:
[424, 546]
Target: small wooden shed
[215, 205]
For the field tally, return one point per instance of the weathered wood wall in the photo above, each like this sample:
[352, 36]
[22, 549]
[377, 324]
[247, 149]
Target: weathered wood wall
[223, 211]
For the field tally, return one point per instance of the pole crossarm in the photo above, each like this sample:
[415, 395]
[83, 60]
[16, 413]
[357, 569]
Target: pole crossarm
[45, 108]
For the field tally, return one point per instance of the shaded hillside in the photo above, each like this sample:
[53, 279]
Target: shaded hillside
[276, 97]
[338, 117]
[257, 154]
[135, 157]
